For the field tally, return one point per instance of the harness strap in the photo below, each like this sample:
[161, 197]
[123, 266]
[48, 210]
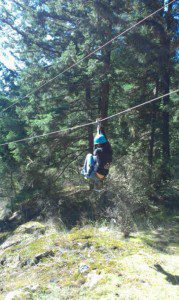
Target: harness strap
[107, 166]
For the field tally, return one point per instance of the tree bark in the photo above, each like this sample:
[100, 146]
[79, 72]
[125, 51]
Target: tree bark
[104, 29]
[89, 114]
[166, 131]
[105, 87]
[165, 85]
[152, 134]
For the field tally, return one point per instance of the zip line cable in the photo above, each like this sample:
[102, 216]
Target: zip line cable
[90, 54]
[91, 123]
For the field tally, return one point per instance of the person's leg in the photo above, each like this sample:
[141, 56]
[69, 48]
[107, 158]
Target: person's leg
[95, 163]
[88, 168]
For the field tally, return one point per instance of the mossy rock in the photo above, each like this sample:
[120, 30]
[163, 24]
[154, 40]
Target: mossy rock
[30, 228]
[40, 246]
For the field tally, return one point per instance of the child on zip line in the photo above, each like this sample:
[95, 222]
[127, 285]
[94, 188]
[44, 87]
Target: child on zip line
[96, 165]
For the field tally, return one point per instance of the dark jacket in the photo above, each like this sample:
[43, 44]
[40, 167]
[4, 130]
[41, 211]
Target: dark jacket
[104, 156]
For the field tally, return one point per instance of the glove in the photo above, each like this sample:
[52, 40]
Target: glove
[98, 122]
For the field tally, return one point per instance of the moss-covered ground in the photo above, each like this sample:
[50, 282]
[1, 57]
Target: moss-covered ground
[92, 262]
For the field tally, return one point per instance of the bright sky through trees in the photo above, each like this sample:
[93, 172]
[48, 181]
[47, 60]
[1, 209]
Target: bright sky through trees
[5, 56]
[7, 59]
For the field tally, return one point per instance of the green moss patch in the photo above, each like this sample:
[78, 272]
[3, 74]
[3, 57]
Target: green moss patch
[39, 246]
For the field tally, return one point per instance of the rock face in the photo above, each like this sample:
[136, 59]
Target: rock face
[20, 238]
[24, 233]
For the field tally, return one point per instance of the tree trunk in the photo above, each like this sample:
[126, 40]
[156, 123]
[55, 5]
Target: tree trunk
[104, 28]
[89, 114]
[165, 85]
[166, 131]
[105, 87]
[13, 188]
[152, 134]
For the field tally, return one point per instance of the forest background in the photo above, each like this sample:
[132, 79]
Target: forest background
[45, 37]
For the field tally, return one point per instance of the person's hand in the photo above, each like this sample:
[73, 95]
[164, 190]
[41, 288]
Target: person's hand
[98, 121]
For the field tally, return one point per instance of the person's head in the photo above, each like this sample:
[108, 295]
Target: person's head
[100, 140]
[98, 145]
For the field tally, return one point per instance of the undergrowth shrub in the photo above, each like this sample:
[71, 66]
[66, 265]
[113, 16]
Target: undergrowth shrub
[128, 194]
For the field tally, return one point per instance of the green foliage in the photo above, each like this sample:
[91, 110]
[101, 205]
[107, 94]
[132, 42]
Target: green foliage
[49, 36]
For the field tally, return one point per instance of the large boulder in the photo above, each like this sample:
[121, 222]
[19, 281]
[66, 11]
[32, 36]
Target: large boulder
[31, 228]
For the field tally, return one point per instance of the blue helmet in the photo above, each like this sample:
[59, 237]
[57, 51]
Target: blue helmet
[100, 139]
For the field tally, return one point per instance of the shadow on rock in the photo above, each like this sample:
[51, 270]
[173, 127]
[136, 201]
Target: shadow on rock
[173, 279]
